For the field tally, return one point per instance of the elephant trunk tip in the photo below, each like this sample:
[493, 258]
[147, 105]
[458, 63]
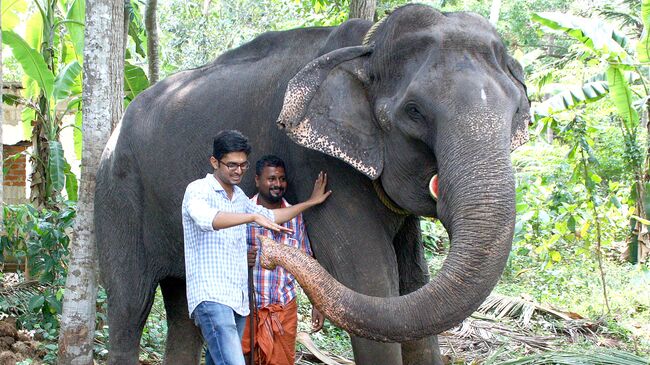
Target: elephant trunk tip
[268, 247]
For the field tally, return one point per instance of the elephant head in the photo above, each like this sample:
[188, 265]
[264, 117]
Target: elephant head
[428, 95]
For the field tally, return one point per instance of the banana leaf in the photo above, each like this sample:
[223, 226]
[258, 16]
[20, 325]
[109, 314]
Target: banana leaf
[135, 81]
[71, 183]
[77, 13]
[597, 35]
[10, 12]
[56, 166]
[66, 80]
[570, 98]
[30, 60]
[622, 97]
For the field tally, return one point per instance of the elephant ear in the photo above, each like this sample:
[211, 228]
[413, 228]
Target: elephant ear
[326, 108]
[521, 120]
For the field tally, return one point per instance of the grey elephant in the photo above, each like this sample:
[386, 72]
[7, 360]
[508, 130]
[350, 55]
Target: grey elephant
[422, 97]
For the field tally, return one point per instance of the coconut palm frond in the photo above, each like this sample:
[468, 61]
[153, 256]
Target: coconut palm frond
[627, 13]
[16, 297]
[535, 342]
[474, 329]
[576, 329]
[493, 334]
[502, 306]
[605, 357]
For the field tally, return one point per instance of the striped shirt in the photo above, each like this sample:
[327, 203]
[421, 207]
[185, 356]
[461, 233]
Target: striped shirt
[277, 286]
[216, 267]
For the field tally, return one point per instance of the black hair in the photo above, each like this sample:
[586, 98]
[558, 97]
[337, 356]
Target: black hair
[268, 160]
[229, 141]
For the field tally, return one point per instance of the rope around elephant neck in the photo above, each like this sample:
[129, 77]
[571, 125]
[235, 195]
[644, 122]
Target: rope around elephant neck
[371, 32]
[386, 200]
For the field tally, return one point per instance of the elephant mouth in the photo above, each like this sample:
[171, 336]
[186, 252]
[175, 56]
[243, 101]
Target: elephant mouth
[433, 187]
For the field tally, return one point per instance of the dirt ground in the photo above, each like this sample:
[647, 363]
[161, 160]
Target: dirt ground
[16, 346]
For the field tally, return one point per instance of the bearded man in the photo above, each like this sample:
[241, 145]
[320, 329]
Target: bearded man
[276, 317]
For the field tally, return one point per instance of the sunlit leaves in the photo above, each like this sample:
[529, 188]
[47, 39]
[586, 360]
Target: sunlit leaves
[56, 166]
[34, 30]
[570, 98]
[31, 61]
[71, 183]
[137, 30]
[597, 35]
[66, 80]
[76, 15]
[622, 97]
[135, 81]
[11, 9]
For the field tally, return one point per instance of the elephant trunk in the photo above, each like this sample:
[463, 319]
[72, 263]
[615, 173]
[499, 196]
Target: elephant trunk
[477, 209]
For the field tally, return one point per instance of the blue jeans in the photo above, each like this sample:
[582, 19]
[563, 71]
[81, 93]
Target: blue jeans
[222, 329]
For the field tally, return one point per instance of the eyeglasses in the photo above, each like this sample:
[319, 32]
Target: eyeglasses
[232, 166]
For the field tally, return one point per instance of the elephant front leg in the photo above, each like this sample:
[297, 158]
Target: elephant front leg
[362, 259]
[413, 274]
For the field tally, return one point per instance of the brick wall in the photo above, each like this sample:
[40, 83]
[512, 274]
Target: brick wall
[16, 174]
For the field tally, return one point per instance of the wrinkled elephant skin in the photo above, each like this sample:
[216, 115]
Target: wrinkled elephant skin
[425, 94]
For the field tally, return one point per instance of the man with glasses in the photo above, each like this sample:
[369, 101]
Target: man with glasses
[215, 214]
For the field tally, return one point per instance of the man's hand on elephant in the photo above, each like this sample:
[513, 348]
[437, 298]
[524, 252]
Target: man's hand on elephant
[251, 256]
[317, 320]
[320, 192]
[266, 223]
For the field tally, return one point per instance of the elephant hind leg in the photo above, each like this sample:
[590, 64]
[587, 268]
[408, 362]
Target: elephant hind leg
[123, 264]
[128, 309]
[184, 341]
[413, 274]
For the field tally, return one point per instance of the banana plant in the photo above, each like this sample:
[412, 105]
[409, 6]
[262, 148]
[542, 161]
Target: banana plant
[50, 55]
[621, 62]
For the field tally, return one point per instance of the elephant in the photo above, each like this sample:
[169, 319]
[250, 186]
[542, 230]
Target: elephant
[387, 109]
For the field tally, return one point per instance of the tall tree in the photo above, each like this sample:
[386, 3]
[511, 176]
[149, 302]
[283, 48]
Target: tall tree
[152, 40]
[103, 88]
[363, 9]
[495, 10]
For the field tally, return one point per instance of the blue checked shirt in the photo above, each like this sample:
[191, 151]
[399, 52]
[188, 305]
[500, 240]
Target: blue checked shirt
[216, 268]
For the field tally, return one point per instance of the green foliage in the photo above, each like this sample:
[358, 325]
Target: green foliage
[602, 357]
[137, 30]
[154, 334]
[571, 97]
[331, 338]
[192, 35]
[31, 61]
[135, 82]
[643, 47]
[41, 239]
[45, 58]
[606, 50]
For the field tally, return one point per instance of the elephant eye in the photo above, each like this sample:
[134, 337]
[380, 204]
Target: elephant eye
[412, 111]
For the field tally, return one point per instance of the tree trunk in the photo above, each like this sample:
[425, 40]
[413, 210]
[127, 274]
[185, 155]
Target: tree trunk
[495, 10]
[103, 87]
[127, 22]
[363, 9]
[39, 160]
[152, 40]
